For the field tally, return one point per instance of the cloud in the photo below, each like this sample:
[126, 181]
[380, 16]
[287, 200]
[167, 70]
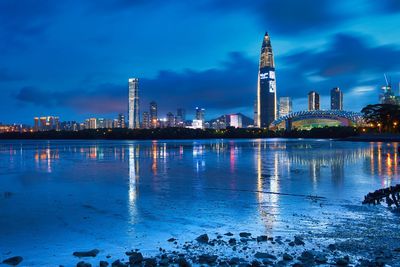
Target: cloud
[8, 76]
[231, 85]
[284, 16]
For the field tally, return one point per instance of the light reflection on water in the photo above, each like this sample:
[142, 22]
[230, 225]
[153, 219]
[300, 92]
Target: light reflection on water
[152, 190]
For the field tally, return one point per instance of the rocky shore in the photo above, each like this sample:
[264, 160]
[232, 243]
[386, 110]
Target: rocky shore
[228, 249]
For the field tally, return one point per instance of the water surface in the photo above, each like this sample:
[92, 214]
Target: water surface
[60, 196]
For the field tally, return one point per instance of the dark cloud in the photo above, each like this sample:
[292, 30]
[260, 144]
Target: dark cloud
[8, 76]
[349, 61]
[229, 86]
[284, 16]
[107, 98]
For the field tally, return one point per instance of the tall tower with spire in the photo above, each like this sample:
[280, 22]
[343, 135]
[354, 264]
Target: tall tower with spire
[266, 87]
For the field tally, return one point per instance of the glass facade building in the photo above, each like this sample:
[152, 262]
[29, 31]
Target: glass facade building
[133, 105]
[266, 86]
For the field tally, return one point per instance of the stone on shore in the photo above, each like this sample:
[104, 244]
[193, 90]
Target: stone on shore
[13, 261]
[244, 234]
[264, 255]
[207, 259]
[103, 264]
[90, 253]
[150, 262]
[287, 257]
[83, 264]
[135, 258]
[202, 238]
[298, 241]
[118, 263]
[343, 261]
[228, 234]
[262, 238]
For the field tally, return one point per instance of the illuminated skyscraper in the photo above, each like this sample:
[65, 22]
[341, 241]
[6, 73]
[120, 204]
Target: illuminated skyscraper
[336, 99]
[285, 106]
[180, 117]
[121, 121]
[170, 119]
[266, 87]
[146, 120]
[133, 105]
[313, 100]
[153, 114]
[200, 113]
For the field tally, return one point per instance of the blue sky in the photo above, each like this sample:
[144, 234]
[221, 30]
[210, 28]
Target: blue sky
[73, 58]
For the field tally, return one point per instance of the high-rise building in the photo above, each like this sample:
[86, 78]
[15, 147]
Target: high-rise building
[336, 99]
[100, 124]
[313, 100]
[266, 87]
[36, 124]
[235, 120]
[92, 123]
[146, 120]
[285, 106]
[153, 114]
[170, 119]
[121, 121]
[200, 113]
[180, 117]
[133, 105]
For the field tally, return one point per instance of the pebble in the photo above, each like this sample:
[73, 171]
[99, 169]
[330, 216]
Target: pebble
[90, 253]
[13, 261]
[202, 238]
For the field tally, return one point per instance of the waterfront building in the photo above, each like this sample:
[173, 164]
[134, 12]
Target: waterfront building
[36, 124]
[146, 120]
[133, 105]
[100, 124]
[266, 86]
[180, 117]
[121, 121]
[336, 99]
[235, 120]
[285, 106]
[153, 114]
[313, 101]
[92, 123]
[200, 113]
[170, 119]
[197, 124]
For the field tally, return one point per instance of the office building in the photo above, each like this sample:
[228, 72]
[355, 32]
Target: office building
[285, 106]
[146, 120]
[313, 100]
[200, 113]
[153, 114]
[266, 86]
[170, 119]
[133, 105]
[336, 99]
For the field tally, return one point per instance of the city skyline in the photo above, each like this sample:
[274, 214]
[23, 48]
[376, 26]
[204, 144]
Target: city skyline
[330, 44]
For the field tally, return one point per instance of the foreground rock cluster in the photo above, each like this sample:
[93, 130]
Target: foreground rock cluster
[242, 249]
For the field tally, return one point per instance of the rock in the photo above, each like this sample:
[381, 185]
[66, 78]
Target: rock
[118, 263]
[171, 239]
[164, 262]
[298, 241]
[268, 262]
[228, 234]
[321, 259]
[287, 257]
[202, 238]
[306, 256]
[13, 261]
[255, 263]
[343, 261]
[262, 238]
[208, 259]
[135, 258]
[332, 247]
[103, 264]
[396, 250]
[83, 264]
[232, 241]
[244, 234]
[150, 262]
[264, 255]
[297, 264]
[182, 262]
[234, 261]
[291, 243]
[90, 253]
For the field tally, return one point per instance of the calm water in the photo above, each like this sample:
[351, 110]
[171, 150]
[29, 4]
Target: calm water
[60, 196]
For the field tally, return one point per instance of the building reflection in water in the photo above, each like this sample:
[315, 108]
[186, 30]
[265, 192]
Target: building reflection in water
[267, 161]
[134, 155]
[382, 161]
[44, 158]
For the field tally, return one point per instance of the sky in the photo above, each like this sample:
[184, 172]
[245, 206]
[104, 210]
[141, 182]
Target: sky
[73, 58]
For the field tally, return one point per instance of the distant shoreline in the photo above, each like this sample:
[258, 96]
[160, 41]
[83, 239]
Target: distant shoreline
[335, 133]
